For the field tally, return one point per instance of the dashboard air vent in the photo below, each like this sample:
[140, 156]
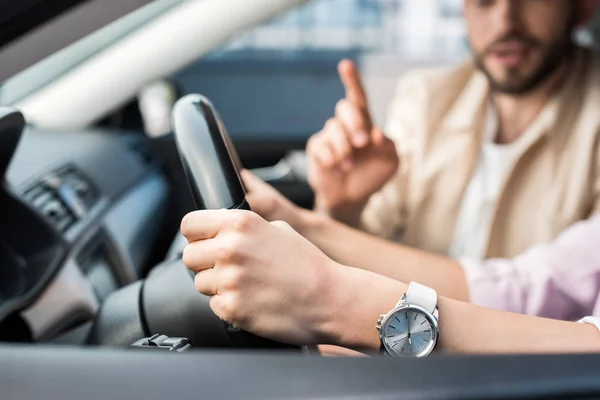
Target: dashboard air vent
[83, 189]
[47, 202]
[63, 197]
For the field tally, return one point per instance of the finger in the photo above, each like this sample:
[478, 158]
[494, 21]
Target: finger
[263, 198]
[354, 123]
[206, 224]
[251, 181]
[336, 351]
[253, 190]
[283, 225]
[377, 136]
[207, 282]
[325, 156]
[216, 305]
[197, 226]
[355, 91]
[340, 146]
[322, 152]
[199, 256]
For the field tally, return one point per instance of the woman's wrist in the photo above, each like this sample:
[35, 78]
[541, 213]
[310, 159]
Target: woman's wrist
[353, 306]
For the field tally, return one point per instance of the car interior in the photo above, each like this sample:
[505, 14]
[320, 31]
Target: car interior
[91, 279]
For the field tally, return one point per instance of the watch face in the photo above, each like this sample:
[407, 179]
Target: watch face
[409, 332]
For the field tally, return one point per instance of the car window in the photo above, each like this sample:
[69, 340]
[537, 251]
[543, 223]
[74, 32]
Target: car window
[281, 78]
[414, 29]
[57, 64]
[261, 79]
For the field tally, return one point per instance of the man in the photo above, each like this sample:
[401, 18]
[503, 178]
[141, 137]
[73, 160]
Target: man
[552, 185]
[483, 160]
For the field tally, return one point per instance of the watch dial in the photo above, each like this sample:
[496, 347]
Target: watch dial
[408, 333]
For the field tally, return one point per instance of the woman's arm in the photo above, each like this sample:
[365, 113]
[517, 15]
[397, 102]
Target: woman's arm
[542, 281]
[267, 279]
[361, 250]
[558, 279]
[356, 248]
[463, 327]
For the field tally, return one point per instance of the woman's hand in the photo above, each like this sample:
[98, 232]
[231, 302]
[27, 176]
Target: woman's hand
[267, 279]
[263, 277]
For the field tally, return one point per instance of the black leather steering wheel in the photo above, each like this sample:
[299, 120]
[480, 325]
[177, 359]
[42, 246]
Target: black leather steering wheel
[211, 166]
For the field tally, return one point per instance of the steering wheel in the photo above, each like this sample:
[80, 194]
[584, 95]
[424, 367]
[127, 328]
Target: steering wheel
[211, 165]
[166, 301]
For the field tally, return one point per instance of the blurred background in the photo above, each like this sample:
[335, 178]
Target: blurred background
[276, 80]
[285, 71]
[285, 74]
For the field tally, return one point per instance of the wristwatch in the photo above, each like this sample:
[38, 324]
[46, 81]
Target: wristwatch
[411, 328]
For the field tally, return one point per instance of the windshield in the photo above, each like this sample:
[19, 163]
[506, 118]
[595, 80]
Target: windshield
[413, 30]
[25, 75]
[292, 61]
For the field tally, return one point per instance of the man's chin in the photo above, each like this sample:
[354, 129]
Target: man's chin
[523, 79]
[511, 88]
[512, 82]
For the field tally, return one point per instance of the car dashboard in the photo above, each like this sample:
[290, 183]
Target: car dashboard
[103, 197]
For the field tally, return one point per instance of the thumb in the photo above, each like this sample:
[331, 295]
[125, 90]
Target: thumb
[377, 136]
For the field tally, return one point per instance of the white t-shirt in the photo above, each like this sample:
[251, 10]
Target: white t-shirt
[474, 221]
[472, 230]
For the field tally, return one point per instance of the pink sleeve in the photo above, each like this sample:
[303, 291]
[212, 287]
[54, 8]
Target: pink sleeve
[559, 280]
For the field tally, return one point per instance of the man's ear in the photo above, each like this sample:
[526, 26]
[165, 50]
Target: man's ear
[587, 10]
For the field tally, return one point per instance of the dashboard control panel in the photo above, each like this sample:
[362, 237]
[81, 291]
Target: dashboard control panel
[63, 197]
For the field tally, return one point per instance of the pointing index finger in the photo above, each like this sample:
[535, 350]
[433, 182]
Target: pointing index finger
[355, 91]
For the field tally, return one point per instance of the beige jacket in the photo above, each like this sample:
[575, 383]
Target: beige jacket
[436, 121]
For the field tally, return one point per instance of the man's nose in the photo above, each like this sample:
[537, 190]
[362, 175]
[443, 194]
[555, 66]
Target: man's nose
[508, 15]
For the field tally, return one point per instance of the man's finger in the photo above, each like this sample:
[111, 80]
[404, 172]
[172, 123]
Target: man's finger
[322, 153]
[378, 136]
[355, 91]
[354, 123]
[341, 147]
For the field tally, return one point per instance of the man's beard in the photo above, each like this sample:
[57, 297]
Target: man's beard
[516, 84]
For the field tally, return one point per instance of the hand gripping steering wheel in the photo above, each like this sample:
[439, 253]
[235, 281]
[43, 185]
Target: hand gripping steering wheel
[211, 166]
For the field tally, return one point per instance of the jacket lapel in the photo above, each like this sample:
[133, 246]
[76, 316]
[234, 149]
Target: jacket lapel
[449, 160]
[549, 123]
